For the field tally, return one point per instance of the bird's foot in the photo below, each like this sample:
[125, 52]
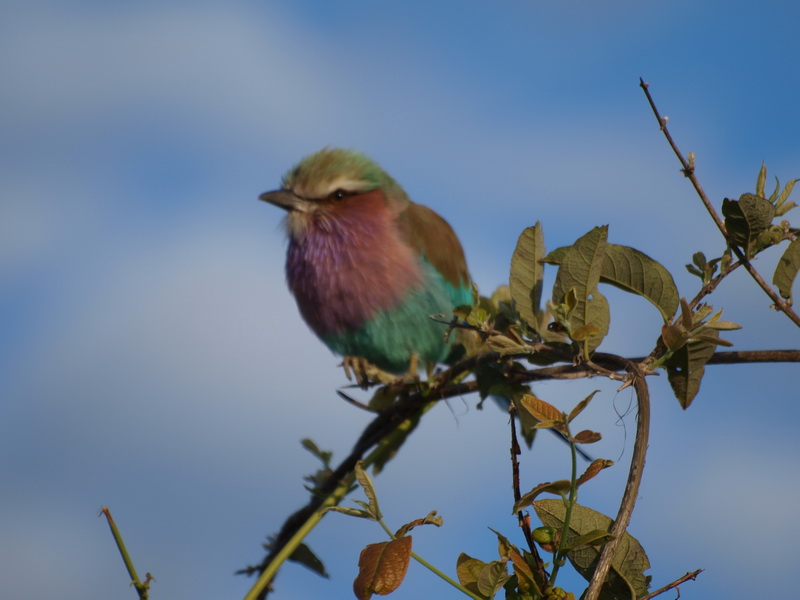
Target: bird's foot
[365, 373]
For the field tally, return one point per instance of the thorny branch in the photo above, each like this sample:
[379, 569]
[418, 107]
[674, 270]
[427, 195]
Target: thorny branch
[688, 171]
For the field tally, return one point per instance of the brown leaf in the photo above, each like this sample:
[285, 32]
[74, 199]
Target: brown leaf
[593, 469]
[382, 568]
[586, 437]
[541, 409]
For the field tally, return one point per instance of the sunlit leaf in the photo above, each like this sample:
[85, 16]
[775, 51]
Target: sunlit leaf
[593, 469]
[382, 568]
[559, 488]
[579, 273]
[492, 578]
[580, 406]
[637, 273]
[369, 489]
[541, 410]
[526, 274]
[468, 570]
[761, 180]
[787, 190]
[586, 437]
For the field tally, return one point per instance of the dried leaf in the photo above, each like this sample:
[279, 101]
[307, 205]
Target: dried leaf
[382, 568]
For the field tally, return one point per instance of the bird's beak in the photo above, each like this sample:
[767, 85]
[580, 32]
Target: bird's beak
[287, 200]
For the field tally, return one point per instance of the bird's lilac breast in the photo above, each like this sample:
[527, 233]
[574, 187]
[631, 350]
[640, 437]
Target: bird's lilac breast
[345, 270]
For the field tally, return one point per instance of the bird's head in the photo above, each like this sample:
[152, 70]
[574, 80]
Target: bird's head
[334, 184]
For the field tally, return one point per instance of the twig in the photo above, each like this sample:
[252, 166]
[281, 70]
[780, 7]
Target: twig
[524, 519]
[632, 485]
[688, 171]
[712, 285]
[143, 589]
[672, 585]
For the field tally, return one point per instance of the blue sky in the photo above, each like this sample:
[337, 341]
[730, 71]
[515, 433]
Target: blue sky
[152, 360]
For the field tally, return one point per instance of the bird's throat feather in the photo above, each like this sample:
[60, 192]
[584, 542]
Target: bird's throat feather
[346, 266]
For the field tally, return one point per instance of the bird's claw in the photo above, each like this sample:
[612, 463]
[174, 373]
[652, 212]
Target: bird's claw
[365, 373]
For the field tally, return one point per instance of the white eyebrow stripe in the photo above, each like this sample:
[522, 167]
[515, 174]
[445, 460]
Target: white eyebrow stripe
[345, 183]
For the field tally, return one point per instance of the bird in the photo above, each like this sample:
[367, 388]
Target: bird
[367, 266]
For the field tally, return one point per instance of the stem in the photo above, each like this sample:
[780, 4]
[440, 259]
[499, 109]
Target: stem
[631, 487]
[291, 545]
[561, 555]
[539, 573]
[141, 588]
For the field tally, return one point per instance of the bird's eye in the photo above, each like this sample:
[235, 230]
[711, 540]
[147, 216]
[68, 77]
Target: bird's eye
[338, 195]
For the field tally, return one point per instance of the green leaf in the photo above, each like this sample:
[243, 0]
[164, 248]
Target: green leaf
[526, 274]
[597, 537]
[350, 512]
[746, 219]
[369, 490]
[579, 273]
[580, 406]
[559, 488]
[761, 180]
[686, 366]
[632, 271]
[787, 269]
[492, 578]
[304, 556]
[787, 190]
[637, 273]
[626, 578]
[468, 570]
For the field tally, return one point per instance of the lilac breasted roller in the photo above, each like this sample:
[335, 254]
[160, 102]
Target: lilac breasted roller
[366, 265]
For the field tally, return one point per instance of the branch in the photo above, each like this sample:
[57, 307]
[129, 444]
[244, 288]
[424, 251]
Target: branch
[672, 585]
[631, 487]
[390, 419]
[688, 171]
